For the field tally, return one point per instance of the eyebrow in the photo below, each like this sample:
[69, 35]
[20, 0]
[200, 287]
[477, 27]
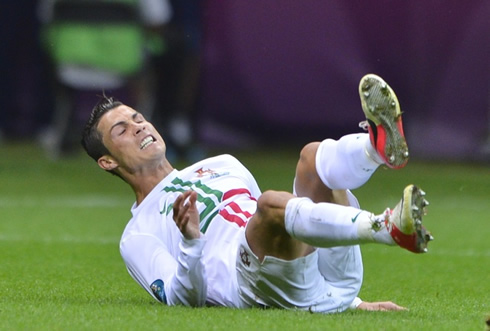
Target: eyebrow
[123, 122]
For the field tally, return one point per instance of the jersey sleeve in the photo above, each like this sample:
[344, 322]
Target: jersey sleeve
[180, 281]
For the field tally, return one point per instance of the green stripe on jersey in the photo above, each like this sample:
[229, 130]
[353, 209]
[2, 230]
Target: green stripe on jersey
[198, 184]
[205, 195]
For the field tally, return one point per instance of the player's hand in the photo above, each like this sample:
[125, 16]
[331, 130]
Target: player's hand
[380, 306]
[186, 215]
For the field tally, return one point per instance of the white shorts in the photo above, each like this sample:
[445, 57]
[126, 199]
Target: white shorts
[298, 284]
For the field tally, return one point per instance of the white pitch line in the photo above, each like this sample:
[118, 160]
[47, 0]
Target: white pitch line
[61, 239]
[445, 252]
[81, 201]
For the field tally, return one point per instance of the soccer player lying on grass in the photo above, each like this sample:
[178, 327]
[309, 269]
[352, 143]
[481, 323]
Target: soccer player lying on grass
[206, 235]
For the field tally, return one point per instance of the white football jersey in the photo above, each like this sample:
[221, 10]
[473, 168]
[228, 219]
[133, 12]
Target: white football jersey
[192, 272]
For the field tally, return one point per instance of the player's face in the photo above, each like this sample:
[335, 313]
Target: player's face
[132, 141]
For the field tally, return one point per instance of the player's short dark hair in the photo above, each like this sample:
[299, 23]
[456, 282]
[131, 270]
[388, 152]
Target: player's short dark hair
[91, 137]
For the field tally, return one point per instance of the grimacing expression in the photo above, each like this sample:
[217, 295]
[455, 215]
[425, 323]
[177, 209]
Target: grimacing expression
[132, 141]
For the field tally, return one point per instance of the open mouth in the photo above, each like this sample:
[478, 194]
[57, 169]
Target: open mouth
[147, 142]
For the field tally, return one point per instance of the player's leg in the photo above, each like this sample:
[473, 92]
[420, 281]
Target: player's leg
[349, 162]
[276, 269]
[334, 224]
[266, 234]
[328, 225]
[325, 171]
[288, 227]
[340, 266]
[278, 264]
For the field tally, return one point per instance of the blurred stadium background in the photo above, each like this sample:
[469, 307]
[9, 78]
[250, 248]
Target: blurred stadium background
[288, 71]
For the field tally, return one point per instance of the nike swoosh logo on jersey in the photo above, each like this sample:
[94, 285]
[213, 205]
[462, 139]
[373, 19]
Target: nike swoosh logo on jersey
[354, 219]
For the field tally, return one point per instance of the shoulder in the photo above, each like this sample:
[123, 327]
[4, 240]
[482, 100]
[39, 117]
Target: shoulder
[224, 162]
[223, 158]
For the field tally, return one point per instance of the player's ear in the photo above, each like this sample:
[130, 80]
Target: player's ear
[108, 163]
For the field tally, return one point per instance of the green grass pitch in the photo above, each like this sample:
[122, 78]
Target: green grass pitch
[60, 267]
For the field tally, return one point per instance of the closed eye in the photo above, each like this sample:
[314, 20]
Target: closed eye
[120, 126]
[138, 118]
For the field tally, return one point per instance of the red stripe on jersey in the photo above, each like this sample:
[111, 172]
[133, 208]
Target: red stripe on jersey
[237, 191]
[232, 218]
[236, 208]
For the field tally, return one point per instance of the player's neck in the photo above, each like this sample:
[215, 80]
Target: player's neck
[145, 180]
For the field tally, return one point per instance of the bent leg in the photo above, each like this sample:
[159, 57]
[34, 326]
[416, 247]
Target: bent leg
[277, 269]
[327, 168]
[341, 266]
[329, 217]
[307, 182]
[266, 233]
[288, 227]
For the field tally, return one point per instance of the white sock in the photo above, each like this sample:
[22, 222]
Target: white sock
[346, 163]
[329, 225]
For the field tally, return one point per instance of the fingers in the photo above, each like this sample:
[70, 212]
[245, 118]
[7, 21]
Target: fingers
[182, 205]
[181, 208]
[185, 214]
[380, 306]
[388, 305]
[392, 306]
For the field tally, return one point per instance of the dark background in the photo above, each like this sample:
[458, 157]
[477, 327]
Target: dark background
[288, 70]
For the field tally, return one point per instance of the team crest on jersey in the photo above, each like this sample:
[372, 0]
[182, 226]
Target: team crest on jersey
[158, 290]
[245, 257]
[201, 172]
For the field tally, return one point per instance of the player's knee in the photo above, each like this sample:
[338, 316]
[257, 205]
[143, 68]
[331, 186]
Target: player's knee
[308, 153]
[266, 202]
[271, 206]
[306, 168]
